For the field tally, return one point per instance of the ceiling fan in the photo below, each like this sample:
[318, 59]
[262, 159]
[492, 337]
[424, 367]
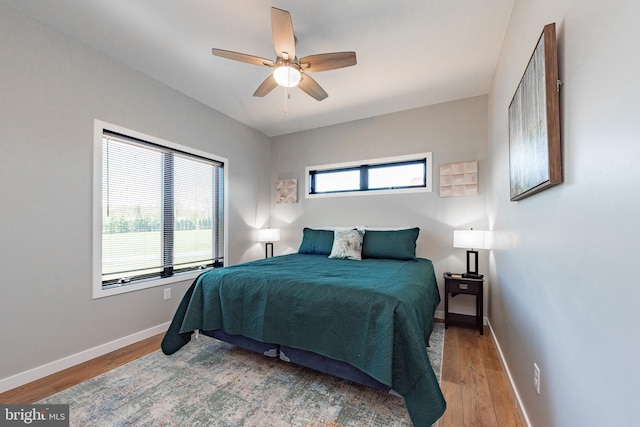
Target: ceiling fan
[288, 70]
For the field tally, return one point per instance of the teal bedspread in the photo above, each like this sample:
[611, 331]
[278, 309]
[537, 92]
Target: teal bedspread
[375, 314]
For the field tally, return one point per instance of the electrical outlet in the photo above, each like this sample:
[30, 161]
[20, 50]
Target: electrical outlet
[536, 378]
[167, 293]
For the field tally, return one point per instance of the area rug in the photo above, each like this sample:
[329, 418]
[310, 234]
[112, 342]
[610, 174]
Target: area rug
[212, 383]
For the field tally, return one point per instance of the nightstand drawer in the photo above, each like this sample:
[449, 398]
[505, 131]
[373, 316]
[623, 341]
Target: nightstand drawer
[463, 286]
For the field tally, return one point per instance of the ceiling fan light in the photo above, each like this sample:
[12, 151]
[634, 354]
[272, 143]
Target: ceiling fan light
[287, 76]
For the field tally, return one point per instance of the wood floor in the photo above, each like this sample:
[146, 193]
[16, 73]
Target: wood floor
[39, 389]
[474, 382]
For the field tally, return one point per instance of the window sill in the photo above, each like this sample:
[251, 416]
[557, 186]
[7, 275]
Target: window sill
[369, 192]
[98, 292]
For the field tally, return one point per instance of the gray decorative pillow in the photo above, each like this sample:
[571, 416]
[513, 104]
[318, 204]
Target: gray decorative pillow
[347, 244]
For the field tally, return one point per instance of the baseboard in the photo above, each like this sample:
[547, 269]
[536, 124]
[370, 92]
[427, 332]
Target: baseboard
[520, 405]
[23, 378]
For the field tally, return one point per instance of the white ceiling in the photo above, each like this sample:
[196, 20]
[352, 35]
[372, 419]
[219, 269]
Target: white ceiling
[410, 53]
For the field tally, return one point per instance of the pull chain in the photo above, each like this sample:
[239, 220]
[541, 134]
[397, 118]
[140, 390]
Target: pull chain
[286, 93]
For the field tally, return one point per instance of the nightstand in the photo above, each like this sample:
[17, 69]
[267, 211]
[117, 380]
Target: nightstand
[460, 285]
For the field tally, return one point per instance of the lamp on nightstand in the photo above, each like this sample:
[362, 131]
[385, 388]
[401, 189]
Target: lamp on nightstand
[268, 235]
[471, 240]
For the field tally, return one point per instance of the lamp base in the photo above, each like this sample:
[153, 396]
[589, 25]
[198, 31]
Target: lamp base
[266, 249]
[472, 276]
[472, 263]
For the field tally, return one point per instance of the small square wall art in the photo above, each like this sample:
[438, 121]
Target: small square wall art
[459, 179]
[287, 191]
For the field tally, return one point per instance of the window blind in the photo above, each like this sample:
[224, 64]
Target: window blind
[161, 211]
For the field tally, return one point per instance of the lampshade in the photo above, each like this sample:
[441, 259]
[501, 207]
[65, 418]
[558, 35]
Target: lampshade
[269, 235]
[287, 75]
[470, 239]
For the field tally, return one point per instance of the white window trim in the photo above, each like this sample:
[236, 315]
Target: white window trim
[427, 189]
[98, 292]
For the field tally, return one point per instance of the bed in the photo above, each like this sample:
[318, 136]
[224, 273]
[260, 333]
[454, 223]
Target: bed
[365, 317]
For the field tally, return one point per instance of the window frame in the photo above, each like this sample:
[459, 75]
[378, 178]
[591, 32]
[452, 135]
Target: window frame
[99, 291]
[364, 166]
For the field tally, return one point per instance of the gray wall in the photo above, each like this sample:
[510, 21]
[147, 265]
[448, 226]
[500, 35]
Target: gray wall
[454, 131]
[51, 90]
[561, 286]
[563, 289]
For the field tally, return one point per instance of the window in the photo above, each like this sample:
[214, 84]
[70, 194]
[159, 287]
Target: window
[335, 180]
[159, 211]
[380, 176]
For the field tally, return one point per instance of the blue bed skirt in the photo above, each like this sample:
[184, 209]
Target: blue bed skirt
[300, 357]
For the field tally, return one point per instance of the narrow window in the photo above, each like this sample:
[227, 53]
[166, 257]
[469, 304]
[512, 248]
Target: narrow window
[377, 176]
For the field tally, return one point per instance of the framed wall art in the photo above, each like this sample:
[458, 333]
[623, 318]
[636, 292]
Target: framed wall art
[287, 191]
[459, 179]
[535, 152]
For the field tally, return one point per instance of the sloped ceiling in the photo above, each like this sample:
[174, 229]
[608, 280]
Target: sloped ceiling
[410, 53]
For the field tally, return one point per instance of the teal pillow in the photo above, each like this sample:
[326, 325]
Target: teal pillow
[390, 244]
[316, 242]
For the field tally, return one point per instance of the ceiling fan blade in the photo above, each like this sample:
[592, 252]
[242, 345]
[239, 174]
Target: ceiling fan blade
[328, 61]
[282, 32]
[267, 86]
[242, 57]
[312, 88]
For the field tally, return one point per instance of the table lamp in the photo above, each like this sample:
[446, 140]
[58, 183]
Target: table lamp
[268, 235]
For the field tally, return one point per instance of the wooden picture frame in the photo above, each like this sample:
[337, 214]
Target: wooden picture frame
[535, 151]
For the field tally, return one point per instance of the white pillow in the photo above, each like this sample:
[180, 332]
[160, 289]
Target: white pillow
[347, 244]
